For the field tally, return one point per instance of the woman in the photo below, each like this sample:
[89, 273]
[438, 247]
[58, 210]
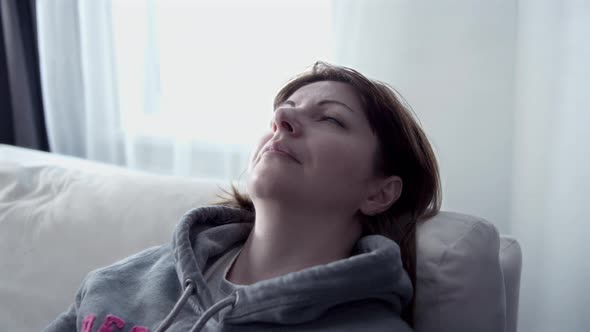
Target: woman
[325, 241]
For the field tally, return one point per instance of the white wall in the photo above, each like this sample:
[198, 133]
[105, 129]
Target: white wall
[453, 62]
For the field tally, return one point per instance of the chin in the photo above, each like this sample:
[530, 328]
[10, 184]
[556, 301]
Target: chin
[270, 185]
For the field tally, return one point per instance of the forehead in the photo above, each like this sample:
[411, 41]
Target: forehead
[328, 90]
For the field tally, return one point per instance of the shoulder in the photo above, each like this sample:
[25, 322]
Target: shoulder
[366, 316]
[134, 289]
[379, 316]
[153, 259]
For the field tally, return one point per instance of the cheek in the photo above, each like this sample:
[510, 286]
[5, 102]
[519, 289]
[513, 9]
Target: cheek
[259, 145]
[341, 173]
[344, 160]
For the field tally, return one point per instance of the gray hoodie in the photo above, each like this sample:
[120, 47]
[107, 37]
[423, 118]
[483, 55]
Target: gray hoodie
[163, 288]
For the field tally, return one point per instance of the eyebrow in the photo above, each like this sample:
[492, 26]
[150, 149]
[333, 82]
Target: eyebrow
[323, 102]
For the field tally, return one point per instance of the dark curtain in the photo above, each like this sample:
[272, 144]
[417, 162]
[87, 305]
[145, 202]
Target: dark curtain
[22, 121]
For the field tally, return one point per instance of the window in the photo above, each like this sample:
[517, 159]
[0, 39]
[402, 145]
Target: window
[200, 76]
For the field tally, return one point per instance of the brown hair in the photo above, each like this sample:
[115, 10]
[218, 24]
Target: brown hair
[403, 150]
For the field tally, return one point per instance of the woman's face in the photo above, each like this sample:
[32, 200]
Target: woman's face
[330, 150]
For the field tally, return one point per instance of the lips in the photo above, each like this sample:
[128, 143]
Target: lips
[278, 146]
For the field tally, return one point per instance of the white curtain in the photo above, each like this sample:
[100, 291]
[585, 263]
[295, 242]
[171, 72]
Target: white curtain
[79, 79]
[178, 87]
[502, 88]
[551, 166]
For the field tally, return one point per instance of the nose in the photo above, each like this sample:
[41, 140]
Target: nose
[285, 121]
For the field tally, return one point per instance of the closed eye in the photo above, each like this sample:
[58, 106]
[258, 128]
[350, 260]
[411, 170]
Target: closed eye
[334, 120]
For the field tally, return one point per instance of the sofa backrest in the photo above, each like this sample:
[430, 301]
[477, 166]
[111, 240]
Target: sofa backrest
[62, 217]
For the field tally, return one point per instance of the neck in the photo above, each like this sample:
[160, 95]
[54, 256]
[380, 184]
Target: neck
[286, 240]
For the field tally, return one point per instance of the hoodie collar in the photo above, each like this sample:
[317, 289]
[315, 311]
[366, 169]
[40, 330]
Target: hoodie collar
[228, 225]
[373, 272]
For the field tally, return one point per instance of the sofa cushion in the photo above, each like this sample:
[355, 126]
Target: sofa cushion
[460, 283]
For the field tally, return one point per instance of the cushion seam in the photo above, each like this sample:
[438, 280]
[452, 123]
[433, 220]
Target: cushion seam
[511, 243]
[443, 257]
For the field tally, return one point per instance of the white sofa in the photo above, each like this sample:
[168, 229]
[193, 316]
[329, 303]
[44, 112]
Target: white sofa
[61, 217]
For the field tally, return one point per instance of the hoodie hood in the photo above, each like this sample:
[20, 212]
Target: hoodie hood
[373, 272]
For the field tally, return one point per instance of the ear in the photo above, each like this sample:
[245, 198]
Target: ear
[382, 195]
